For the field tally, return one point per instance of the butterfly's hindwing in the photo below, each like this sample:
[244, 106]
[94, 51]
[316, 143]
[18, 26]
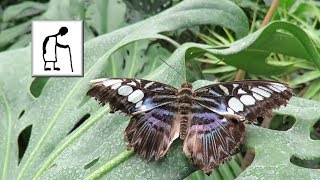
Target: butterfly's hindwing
[249, 99]
[151, 134]
[131, 96]
[212, 138]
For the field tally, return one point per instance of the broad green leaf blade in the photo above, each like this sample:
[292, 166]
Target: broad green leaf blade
[221, 69]
[14, 98]
[105, 16]
[313, 89]
[306, 77]
[7, 36]
[277, 147]
[19, 35]
[250, 52]
[62, 102]
[23, 10]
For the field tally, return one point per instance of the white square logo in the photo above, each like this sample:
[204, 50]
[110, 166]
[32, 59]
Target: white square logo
[57, 48]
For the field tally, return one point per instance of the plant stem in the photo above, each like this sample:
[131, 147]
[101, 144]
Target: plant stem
[270, 13]
[266, 20]
[239, 75]
[110, 164]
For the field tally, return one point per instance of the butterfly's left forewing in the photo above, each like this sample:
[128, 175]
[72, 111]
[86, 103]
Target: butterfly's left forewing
[131, 96]
[153, 126]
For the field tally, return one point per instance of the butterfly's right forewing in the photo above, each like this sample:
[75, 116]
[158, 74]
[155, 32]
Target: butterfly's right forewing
[249, 99]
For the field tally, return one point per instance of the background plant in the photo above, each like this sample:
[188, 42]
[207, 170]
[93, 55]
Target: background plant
[45, 135]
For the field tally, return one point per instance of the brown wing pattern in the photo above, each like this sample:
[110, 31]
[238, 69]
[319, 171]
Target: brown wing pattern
[131, 96]
[214, 132]
[212, 138]
[249, 99]
[151, 134]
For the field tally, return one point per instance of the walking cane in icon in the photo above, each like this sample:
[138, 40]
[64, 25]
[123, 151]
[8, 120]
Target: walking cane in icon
[70, 58]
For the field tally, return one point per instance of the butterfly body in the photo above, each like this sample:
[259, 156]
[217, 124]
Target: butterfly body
[184, 103]
[209, 120]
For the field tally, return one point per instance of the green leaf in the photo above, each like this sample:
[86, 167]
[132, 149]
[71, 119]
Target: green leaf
[23, 10]
[278, 147]
[96, 148]
[14, 98]
[309, 7]
[306, 77]
[250, 53]
[8, 36]
[313, 89]
[18, 36]
[105, 16]
[221, 69]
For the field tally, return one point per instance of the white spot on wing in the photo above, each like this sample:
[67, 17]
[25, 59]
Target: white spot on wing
[241, 91]
[125, 90]
[148, 84]
[143, 108]
[110, 82]
[261, 92]
[235, 85]
[136, 96]
[224, 89]
[139, 104]
[274, 89]
[247, 100]
[279, 86]
[235, 104]
[224, 120]
[132, 83]
[257, 96]
[116, 86]
[230, 111]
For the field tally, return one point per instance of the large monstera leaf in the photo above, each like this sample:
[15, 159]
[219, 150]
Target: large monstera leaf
[55, 149]
[58, 150]
[280, 149]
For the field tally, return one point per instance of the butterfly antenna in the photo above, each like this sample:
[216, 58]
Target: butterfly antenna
[173, 68]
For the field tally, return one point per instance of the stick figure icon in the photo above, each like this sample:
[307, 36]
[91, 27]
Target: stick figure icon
[49, 49]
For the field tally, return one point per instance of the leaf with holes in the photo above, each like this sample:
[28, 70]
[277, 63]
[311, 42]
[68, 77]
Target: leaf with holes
[286, 151]
[71, 137]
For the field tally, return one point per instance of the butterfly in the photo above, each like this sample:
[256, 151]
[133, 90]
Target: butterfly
[210, 120]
